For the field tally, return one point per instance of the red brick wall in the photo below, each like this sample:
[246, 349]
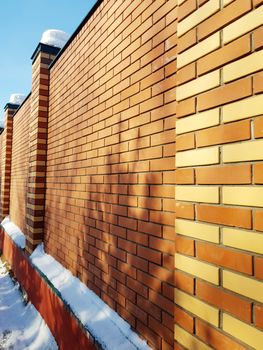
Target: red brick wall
[19, 166]
[110, 163]
[6, 159]
[110, 205]
[1, 155]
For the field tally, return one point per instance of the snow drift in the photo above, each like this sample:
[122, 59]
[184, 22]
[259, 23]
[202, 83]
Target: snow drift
[54, 37]
[104, 324]
[17, 99]
[14, 232]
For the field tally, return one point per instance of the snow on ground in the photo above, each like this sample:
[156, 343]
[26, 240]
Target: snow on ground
[105, 325]
[21, 326]
[14, 232]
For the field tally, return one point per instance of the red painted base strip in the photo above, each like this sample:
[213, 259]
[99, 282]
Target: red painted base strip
[63, 325]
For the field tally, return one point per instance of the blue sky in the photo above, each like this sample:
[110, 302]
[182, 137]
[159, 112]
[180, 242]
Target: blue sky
[22, 23]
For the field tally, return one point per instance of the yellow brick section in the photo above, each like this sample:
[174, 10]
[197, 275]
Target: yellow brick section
[199, 269]
[241, 195]
[198, 16]
[197, 230]
[243, 25]
[243, 239]
[206, 194]
[246, 286]
[245, 151]
[202, 156]
[199, 50]
[243, 109]
[198, 85]
[187, 340]
[208, 313]
[242, 331]
[243, 67]
[198, 121]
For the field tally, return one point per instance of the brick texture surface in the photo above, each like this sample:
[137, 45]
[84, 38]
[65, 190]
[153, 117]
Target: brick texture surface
[19, 166]
[6, 159]
[243, 220]
[99, 172]
[110, 161]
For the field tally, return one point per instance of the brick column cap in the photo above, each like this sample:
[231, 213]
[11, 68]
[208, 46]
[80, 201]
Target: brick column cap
[44, 48]
[11, 106]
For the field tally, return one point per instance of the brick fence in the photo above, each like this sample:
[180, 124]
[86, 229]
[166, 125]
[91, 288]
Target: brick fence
[88, 166]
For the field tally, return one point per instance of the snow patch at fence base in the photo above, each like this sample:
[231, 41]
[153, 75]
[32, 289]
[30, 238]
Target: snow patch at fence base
[104, 324]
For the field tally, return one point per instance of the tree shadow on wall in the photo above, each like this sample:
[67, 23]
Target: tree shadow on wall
[126, 250]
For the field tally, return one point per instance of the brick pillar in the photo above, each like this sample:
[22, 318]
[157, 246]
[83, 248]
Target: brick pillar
[6, 152]
[41, 59]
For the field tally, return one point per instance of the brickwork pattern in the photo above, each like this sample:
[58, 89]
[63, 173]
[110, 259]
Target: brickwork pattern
[19, 166]
[37, 150]
[1, 157]
[96, 145]
[110, 163]
[6, 159]
[219, 157]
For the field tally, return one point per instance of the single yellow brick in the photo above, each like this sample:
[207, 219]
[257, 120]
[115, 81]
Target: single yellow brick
[206, 194]
[244, 66]
[243, 25]
[243, 239]
[208, 313]
[199, 50]
[187, 340]
[203, 156]
[197, 268]
[198, 230]
[244, 151]
[34, 206]
[243, 109]
[242, 331]
[242, 195]
[38, 196]
[194, 87]
[242, 285]
[198, 16]
[198, 121]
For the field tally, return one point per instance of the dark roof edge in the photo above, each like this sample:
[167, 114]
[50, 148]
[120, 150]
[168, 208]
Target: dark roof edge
[23, 103]
[1, 130]
[83, 22]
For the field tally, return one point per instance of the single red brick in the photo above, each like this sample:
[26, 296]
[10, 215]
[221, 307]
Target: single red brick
[184, 282]
[183, 319]
[258, 220]
[224, 257]
[225, 215]
[259, 316]
[184, 245]
[258, 267]
[185, 210]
